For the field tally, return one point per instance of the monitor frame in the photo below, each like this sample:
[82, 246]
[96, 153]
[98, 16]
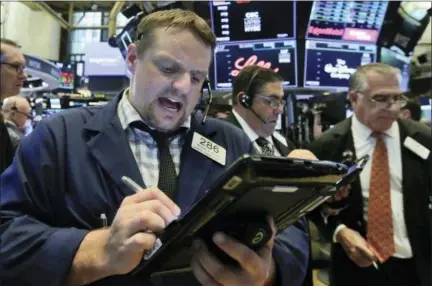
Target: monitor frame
[294, 25]
[74, 69]
[332, 88]
[226, 89]
[307, 37]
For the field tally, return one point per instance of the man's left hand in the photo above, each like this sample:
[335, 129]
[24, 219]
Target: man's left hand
[256, 268]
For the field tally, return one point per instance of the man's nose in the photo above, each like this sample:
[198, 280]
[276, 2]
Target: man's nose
[278, 110]
[24, 75]
[183, 82]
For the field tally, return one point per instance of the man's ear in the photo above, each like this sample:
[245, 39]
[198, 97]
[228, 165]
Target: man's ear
[405, 114]
[131, 57]
[353, 97]
[12, 114]
[239, 97]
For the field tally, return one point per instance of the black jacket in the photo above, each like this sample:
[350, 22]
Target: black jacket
[284, 151]
[6, 149]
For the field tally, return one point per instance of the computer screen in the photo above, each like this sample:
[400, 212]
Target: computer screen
[67, 75]
[253, 20]
[330, 64]
[427, 113]
[402, 62]
[231, 58]
[426, 108]
[80, 69]
[357, 21]
[102, 60]
[51, 106]
[77, 103]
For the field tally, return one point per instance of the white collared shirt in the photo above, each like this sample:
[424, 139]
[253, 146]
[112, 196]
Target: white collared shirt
[364, 144]
[253, 136]
[142, 144]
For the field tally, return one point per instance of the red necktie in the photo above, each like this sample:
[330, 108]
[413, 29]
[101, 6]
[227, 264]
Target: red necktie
[380, 222]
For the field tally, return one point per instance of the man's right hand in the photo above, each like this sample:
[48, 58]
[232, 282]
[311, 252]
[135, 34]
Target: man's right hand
[356, 247]
[341, 194]
[119, 249]
[132, 231]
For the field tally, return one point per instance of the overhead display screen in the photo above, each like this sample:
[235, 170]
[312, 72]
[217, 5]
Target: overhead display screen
[356, 21]
[67, 75]
[103, 60]
[253, 20]
[426, 108]
[330, 64]
[399, 61]
[231, 58]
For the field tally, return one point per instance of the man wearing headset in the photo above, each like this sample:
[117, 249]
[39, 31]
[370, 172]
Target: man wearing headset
[67, 218]
[16, 110]
[258, 100]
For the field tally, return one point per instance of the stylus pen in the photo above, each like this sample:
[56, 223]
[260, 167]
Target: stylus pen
[375, 265]
[135, 187]
[131, 184]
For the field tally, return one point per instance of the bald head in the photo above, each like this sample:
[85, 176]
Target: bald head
[20, 102]
[16, 109]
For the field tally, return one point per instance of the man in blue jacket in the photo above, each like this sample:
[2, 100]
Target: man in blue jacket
[65, 182]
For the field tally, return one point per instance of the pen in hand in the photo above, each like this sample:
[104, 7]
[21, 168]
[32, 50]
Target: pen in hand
[131, 184]
[375, 265]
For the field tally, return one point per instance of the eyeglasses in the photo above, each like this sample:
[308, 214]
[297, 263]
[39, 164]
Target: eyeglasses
[271, 101]
[18, 68]
[386, 100]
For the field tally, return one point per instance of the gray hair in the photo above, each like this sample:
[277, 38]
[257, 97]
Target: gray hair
[358, 80]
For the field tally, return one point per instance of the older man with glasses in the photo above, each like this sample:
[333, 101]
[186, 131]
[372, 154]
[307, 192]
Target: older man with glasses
[12, 76]
[381, 231]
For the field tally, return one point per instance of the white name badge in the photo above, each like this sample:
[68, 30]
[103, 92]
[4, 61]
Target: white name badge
[209, 149]
[417, 148]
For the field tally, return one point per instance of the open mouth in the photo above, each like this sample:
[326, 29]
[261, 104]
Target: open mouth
[170, 104]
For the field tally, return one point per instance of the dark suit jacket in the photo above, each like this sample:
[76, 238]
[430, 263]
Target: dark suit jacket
[282, 148]
[68, 171]
[302, 224]
[416, 186]
[6, 149]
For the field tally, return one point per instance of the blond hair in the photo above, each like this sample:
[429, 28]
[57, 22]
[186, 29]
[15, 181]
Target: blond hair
[358, 80]
[173, 18]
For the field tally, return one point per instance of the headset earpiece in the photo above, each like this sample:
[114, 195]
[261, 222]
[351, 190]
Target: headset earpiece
[244, 100]
[207, 103]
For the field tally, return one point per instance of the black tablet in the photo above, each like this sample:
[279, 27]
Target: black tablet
[284, 188]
